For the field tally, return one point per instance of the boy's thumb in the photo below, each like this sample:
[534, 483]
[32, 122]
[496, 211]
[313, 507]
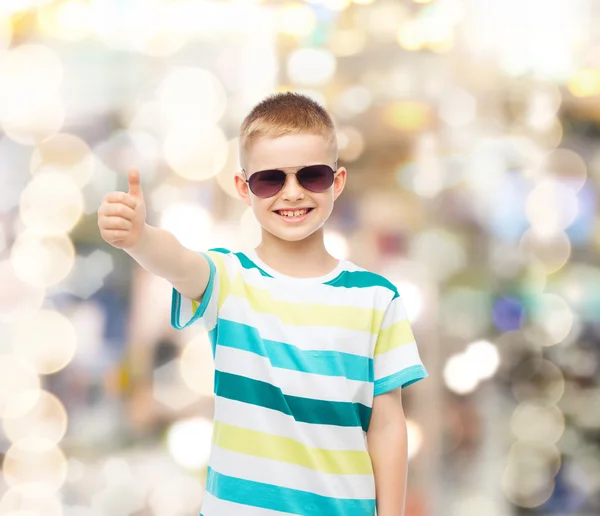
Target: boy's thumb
[135, 189]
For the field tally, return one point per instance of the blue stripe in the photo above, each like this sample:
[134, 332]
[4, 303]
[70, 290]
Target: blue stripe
[245, 262]
[402, 379]
[286, 356]
[176, 300]
[305, 410]
[284, 499]
[362, 279]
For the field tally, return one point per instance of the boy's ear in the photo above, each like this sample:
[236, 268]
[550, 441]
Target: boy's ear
[242, 188]
[339, 182]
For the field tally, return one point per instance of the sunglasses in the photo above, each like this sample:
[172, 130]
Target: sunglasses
[266, 183]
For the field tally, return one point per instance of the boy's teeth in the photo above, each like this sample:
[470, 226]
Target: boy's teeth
[293, 213]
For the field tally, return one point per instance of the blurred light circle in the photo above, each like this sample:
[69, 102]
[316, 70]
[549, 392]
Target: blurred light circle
[465, 312]
[191, 224]
[189, 95]
[17, 298]
[51, 204]
[69, 20]
[412, 298]
[536, 422]
[460, 375]
[159, 35]
[484, 357]
[225, 178]
[48, 341]
[414, 438]
[336, 244]
[351, 143]
[410, 35]
[67, 154]
[42, 261]
[125, 148]
[566, 166]
[30, 122]
[408, 115]
[197, 365]
[311, 66]
[441, 250]
[552, 252]
[551, 208]
[175, 494]
[347, 42]
[508, 313]
[16, 377]
[6, 32]
[30, 74]
[528, 478]
[538, 380]
[296, 19]
[537, 103]
[196, 153]
[353, 101]
[555, 316]
[189, 442]
[458, 107]
[35, 461]
[476, 504]
[30, 499]
[552, 136]
[250, 230]
[585, 83]
[46, 419]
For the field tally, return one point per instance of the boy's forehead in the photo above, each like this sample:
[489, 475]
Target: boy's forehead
[288, 151]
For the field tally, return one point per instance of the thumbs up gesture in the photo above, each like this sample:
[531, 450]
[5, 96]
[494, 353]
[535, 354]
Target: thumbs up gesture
[122, 216]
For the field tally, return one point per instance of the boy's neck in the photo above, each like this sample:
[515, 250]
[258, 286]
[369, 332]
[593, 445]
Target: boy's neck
[306, 258]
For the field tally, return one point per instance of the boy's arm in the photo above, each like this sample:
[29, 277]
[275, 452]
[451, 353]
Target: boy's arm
[122, 223]
[160, 253]
[387, 445]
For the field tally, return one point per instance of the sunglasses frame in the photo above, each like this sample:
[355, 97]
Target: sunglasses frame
[300, 168]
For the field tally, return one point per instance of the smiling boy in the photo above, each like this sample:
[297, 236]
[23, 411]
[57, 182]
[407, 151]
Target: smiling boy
[311, 352]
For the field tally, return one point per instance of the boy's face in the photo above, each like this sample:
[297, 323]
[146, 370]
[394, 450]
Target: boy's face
[290, 153]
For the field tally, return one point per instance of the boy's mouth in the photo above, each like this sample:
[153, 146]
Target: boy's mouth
[294, 214]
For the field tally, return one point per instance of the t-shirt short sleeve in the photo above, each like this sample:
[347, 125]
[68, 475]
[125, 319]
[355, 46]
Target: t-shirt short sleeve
[185, 311]
[396, 357]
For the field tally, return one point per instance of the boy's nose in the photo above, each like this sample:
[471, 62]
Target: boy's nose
[291, 189]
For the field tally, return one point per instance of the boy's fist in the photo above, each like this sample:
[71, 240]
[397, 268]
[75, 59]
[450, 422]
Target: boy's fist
[122, 216]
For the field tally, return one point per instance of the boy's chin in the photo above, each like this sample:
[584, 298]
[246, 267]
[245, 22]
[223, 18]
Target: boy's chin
[291, 234]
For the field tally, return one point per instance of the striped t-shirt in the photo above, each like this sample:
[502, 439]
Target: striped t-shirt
[297, 364]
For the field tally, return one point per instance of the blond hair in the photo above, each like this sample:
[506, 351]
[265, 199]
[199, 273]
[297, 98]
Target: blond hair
[286, 113]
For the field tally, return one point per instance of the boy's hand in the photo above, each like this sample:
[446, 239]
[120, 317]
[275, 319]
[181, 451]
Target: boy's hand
[122, 216]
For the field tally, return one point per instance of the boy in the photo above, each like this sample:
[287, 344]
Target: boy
[311, 352]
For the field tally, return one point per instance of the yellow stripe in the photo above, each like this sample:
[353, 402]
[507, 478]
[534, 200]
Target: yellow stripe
[393, 337]
[284, 449]
[308, 314]
[224, 282]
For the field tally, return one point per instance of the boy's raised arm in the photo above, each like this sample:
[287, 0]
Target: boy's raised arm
[122, 223]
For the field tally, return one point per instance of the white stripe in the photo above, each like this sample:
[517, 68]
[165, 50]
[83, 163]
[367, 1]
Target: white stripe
[293, 383]
[304, 337]
[213, 506]
[396, 360]
[261, 419]
[284, 474]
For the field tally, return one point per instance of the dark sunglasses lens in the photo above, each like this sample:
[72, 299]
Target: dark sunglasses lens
[316, 178]
[267, 182]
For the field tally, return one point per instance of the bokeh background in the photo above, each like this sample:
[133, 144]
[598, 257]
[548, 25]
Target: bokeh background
[470, 130]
